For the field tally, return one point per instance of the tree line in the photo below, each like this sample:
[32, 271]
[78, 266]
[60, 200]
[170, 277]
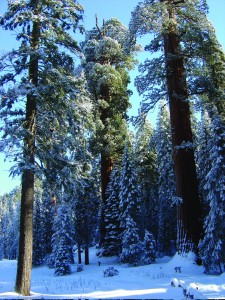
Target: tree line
[86, 178]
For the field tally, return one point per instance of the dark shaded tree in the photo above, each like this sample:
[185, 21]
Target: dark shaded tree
[149, 246]
[167, 220]
[62, 261]
[213, 244]
[145, 162]
[203, 158]
[86, 207]
[112, 242]
[39, 232]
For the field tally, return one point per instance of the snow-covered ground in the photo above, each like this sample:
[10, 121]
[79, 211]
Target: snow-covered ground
[144, 282]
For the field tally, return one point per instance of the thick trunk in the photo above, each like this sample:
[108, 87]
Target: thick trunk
[24, 266]
[189, 212]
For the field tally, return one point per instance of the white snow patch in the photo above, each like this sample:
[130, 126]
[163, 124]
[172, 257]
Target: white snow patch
[142, 282]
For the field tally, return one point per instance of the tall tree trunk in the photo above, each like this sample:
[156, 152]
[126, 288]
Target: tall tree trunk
[189, 211]
[24, 266]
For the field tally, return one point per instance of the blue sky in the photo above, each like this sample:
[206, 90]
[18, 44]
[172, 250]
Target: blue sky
[105, 9]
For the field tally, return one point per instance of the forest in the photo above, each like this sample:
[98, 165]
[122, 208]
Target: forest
[90, 174]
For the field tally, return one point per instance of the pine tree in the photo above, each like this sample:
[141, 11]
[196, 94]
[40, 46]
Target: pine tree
[213, 244]
[9, 230]
[39, 248]
[203, 158]
[166, 239]
[86, 205]
[145, 161]
[131, 224]
[149, 246]
[130, 202]
[132, 249]
[63, 236]
[43, 31]
[112, 242]
[63, 259]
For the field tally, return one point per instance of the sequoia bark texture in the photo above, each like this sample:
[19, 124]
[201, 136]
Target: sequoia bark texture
[189, 211]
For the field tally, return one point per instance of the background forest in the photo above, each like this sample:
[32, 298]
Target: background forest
[90, 174]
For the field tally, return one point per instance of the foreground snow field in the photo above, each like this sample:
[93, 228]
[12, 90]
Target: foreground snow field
[144, 282]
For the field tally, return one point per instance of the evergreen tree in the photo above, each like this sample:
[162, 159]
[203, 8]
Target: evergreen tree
[169, 22]
[112, 243]
[131, 224]
[63, 234]
[145, 161]
[130, 202]
[33, 69]
[86, 205]
[63, 259]
[132, 249]
[149, 246]
[213, 244]
[108, 57]
[47, 214]
[203, 158]
[167, 225]
[39, 252]
[207, 68]
[9, 230]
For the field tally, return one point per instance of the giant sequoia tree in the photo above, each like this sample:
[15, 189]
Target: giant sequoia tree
[35, 84]
[108, 57]
[178, 34]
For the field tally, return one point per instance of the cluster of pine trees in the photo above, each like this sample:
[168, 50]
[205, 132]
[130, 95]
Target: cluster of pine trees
[86, 178]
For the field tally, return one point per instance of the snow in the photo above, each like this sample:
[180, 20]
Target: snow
[142, 282]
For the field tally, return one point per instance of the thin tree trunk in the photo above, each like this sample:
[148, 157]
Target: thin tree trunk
[86, 255]
[79, 254]
[189, 212]
[24, 266]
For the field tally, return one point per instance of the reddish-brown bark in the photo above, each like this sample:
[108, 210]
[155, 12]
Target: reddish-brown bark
[189, 212]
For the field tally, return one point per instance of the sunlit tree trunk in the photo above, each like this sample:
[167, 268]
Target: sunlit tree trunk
[189, 211]
[24, 267]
